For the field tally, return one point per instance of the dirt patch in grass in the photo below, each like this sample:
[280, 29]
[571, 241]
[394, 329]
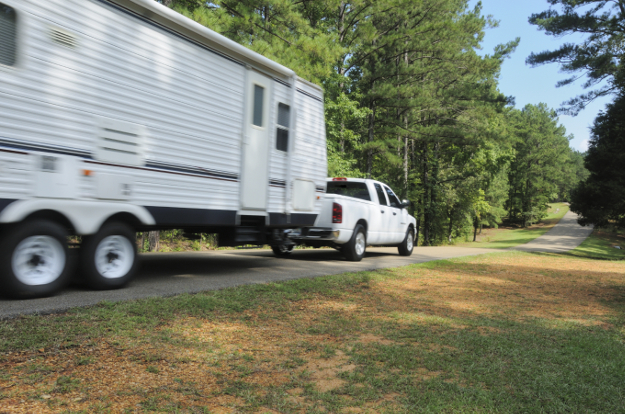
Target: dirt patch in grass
[418, 336]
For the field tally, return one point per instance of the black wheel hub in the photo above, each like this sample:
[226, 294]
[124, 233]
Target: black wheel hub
[36, 261]
[111, 256]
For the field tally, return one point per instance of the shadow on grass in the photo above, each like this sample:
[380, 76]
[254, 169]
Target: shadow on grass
[601, 245]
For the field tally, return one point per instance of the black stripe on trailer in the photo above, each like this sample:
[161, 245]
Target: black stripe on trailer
[191, 217]
[295, 220]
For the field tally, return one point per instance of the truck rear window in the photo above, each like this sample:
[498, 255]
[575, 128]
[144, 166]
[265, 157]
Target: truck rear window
[349, 189]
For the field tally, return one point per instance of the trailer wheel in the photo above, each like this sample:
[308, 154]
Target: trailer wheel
[405, 248]
[282, 250]
[354, 249]
[34, 259]
[109, 258]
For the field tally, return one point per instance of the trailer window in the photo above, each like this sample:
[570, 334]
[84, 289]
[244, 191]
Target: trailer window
[282, 137]
[8, 29]
[259, 93]
[349, 189]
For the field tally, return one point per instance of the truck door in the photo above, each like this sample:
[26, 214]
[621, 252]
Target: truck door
[255, 151]
[384, 232]
[396, 231]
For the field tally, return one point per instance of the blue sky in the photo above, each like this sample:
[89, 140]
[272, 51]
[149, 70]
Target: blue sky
[535, 85]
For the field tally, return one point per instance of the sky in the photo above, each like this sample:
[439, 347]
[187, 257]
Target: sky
[534, 85]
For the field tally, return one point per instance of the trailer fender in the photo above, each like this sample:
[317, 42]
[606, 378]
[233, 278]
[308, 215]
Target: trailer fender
[85, 216]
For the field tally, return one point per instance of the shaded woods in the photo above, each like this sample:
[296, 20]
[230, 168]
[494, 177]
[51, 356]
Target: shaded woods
[412, 100]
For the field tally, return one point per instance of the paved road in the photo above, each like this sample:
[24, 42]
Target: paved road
[564, 236]
[165, 274]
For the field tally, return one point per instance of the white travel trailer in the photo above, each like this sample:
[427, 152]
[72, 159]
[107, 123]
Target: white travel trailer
[119, 116]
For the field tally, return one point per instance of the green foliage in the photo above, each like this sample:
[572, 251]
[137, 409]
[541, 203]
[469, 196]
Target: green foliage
[539, 166]
[599, 199]
[599, 55]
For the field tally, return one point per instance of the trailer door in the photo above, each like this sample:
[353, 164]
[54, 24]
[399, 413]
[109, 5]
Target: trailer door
[254, 171]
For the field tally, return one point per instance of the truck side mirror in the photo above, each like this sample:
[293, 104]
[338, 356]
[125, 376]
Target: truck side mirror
[405, 203]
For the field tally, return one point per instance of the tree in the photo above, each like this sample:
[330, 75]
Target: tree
[600, 199]
[541, 155]
[292, 33]
[576, 173]
[599, 56]
[185, 4]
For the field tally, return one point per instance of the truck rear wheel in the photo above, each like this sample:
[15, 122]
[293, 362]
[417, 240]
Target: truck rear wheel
[354, 249]
[33, 259]
[282, 250]
[109, 258]
[405, 248]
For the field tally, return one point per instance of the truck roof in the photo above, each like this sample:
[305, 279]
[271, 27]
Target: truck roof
[357, 180]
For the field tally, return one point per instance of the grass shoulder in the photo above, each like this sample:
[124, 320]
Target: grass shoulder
[602, 244]
[505, 237]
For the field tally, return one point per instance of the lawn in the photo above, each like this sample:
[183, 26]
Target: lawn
[506, 237]
[601, 245]
[507, 332]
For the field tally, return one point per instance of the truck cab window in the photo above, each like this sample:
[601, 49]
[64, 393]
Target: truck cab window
[284, 118]
[349, 189]
[392, 197]
[8, 34]
[381, 196]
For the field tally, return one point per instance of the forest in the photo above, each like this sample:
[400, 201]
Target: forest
[411, 99]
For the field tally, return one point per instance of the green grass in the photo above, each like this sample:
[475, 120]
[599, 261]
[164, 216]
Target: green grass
[600, 245]
[137, 318]
[506, 238]
[433, 357]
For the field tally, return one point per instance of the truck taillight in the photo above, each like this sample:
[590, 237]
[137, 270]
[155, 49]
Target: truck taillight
[339, 179]
[337, 213]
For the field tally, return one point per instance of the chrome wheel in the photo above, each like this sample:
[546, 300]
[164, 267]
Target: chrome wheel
[114, 257]
[360, 244]
[410, 241]
[38, 260]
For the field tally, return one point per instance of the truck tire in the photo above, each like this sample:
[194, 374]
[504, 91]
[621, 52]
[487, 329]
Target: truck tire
[405, 248]
[354, 249]
[34, 259]
[108, 259]
[282, 250]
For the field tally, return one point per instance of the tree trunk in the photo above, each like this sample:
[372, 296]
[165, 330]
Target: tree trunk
[426, 195]
[451, 226]
[474, 231]
[153, 239]
[371, 135]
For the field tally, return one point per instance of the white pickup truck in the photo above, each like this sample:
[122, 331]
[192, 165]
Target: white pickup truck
[356, 213]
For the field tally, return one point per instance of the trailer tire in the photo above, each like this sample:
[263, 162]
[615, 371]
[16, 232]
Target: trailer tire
[108, 259]
[282, 250]
[354, 249]
[34, 259]
[406, 246]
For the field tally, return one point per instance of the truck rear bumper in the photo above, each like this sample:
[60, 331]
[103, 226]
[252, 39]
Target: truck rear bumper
[328, 234]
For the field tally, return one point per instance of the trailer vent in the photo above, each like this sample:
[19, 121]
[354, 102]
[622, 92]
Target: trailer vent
[63, 38]
[120, 142]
